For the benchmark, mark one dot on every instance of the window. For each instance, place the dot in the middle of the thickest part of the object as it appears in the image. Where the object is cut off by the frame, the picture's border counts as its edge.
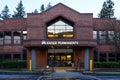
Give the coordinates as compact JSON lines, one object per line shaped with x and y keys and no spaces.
{"x":118,"y":56}
{"x":17,"y":37}
{"x":60,"y":29}
{"x":102,"y":37}
{"x":1,"y":38}
{"x":1,"y":56}
{"x":24,"y":35}
{"x":95,"y":35}
{"x":112,"y":57}
{"x":7,"y":56}
{"x":110,"y":36}
{"x":7,"y":37}
{"x":102,"y":56}
{"x":24,"y":54}
{"x":16,"y":56}
{"x":96,"y":53}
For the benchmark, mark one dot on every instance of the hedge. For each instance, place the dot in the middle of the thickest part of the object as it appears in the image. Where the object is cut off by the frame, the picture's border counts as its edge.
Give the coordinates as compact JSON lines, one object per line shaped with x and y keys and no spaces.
{"x":107,"y":64}
{"x":13,"y":64}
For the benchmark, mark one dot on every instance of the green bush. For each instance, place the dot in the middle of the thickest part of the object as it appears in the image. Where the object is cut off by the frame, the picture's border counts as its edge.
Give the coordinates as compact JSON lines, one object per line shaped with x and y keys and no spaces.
{"x":13,"y":64}
{"x":107,"y":64}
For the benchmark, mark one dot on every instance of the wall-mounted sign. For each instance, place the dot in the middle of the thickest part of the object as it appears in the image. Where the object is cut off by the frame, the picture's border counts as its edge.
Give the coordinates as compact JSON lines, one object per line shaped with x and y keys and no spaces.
{"x":60,"y":42}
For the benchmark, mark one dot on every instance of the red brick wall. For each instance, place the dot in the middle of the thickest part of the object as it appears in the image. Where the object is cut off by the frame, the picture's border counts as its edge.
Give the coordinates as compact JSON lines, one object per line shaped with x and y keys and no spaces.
{"x":36,"y":33}
{"x":10,"y":49}
{"x":107,"y":48}
{"x":37,"y":23}
{"x":28,"y":58}
{"x":84,"y":33}
{"x":14,"y":24}
{"x":79,"y":52}
{"x":41,"y":57}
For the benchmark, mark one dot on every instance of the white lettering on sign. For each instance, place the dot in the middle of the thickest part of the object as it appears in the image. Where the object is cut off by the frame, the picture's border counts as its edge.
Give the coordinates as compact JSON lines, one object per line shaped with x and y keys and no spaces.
{"x":59,"y":42}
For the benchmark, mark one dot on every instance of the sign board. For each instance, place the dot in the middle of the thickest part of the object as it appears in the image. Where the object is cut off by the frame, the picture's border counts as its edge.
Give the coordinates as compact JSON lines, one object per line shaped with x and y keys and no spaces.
{"x":60,"y":43}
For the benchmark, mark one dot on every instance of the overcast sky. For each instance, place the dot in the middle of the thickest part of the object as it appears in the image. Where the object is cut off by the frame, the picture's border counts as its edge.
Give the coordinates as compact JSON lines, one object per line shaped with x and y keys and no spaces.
{"x":82,"y":6}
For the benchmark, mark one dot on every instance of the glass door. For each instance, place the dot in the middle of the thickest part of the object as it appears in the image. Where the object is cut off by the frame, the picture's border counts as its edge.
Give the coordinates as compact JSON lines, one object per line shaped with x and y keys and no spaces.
{"x":60,"y":60}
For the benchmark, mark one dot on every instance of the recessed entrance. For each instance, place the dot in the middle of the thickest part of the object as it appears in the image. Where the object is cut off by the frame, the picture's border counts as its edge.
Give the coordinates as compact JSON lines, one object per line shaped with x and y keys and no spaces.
{"x":60,"y":57}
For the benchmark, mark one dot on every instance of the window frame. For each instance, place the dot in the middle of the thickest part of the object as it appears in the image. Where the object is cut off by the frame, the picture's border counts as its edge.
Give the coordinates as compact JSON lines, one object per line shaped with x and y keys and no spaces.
{"x":107,"y":42}
{"x":5,"y":40}
{"x":16,"y":35}
{"x":57,"y":36}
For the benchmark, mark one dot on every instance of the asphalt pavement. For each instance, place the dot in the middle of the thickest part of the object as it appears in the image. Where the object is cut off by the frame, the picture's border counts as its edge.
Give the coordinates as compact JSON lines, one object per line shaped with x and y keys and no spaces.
{"x":109,"y":77}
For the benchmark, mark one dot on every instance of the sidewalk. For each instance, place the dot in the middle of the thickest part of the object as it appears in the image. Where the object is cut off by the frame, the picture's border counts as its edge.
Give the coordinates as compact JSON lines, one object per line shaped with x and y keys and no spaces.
{"x":97,"y":71}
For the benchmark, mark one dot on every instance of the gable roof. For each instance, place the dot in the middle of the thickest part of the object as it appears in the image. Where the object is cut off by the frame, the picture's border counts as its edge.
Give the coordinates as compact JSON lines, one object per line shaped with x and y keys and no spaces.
{"x":63,"y":5}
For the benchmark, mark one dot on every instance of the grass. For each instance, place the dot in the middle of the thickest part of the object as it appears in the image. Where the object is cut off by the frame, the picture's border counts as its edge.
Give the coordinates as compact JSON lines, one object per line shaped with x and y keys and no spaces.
{"x":20,"y":71}
{"x":107,"y":72}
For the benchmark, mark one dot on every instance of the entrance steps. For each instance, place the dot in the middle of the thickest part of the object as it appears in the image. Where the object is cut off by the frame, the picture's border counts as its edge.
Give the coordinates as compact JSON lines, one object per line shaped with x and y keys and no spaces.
{"x":63,"y":69}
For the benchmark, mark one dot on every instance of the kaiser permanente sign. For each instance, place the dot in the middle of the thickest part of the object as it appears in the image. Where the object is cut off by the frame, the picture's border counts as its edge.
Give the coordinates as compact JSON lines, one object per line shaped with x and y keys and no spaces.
{"x":60,"y":42}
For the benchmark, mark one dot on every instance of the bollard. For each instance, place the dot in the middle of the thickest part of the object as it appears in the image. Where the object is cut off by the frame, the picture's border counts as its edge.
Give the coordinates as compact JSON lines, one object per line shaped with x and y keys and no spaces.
{"x":91,"y":63}
{"x":30,"y":67}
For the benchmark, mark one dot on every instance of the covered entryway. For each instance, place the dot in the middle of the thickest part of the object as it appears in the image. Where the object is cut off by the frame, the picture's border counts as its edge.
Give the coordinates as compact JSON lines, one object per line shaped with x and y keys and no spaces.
{"x":60,"y":57}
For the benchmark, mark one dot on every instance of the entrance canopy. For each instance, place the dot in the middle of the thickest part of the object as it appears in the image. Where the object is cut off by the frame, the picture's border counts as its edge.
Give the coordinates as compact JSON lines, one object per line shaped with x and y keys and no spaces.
{"x":49,"y":43}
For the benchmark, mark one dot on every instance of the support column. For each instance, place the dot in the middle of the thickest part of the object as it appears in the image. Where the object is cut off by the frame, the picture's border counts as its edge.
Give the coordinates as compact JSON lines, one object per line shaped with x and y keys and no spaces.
{"x":33,"y":56}
{"x":98,"y":56}
{"x":21,"y":56}
{"x":86,"y":59}
{"x":12,"y":56}
{"x":107,"y":57}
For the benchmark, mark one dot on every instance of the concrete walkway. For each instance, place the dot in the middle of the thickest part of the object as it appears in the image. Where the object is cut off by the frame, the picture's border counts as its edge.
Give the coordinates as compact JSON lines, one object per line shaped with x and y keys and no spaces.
{"x":63,"y":69}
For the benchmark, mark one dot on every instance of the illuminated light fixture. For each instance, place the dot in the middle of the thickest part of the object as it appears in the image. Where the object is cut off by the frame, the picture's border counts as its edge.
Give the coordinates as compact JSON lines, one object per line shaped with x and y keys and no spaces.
{"x":68,"y":56}
{"x":67,"y":35}
{"x":52,"y":35}
{"x":55,"y":35}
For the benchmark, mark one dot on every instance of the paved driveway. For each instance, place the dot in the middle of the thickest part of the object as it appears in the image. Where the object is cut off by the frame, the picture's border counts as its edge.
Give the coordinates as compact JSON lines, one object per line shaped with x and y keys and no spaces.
{"x":109,"y":77}
{"x":67,"y":75}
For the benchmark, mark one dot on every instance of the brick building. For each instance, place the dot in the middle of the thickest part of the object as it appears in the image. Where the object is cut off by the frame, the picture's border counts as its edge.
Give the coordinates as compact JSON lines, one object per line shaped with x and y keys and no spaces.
{"x":58,"y":37}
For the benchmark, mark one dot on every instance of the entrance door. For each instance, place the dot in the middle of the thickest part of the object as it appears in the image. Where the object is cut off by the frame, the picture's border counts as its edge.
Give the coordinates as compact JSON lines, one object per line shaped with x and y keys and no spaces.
{"x":60,"y":60}
{"x":60,"y":57}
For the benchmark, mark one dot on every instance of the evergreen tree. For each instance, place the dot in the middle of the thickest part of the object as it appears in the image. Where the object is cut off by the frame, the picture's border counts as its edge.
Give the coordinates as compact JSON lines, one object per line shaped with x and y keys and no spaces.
{"x":0,"y":17}
{"x":35,"y":11}
{"x":107,"y":10}
{"x":19,"y":13}
{"x":5,"y":13}
{"x":49,"y":5}
{"x":42,"y":8}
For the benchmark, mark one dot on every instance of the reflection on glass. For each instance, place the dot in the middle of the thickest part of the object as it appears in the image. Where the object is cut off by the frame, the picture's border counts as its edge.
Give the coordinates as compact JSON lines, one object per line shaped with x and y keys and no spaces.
{"x":1,"y":38}
{"x":7,"y":37}
{"x":17,"y":37}
{"x":102,"y":36}
{"x":60,"y":29}
{"x":94,"y":34}
{"x":24,"y":35}
{"x":110,"y":36}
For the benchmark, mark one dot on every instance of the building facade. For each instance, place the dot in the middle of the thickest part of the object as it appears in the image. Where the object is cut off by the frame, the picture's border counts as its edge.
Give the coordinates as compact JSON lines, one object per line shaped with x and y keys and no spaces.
{"x":59,"y":37}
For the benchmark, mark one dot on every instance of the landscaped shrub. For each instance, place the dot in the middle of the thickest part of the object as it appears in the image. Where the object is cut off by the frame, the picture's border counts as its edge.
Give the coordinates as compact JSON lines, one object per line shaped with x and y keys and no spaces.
{"x":107,"y":64}
{"x":13,"y":64}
